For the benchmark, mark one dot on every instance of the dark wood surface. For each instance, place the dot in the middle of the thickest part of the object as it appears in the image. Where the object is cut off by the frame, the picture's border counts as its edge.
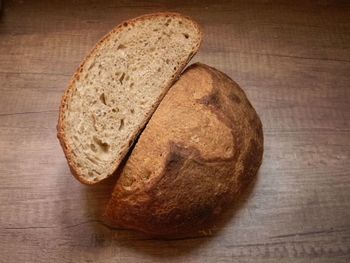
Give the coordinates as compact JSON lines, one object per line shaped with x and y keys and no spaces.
{"x":292,"y":59}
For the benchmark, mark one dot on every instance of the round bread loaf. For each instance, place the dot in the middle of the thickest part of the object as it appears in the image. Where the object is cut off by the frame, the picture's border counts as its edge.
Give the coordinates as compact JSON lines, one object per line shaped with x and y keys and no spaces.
{"x":200,"y":149}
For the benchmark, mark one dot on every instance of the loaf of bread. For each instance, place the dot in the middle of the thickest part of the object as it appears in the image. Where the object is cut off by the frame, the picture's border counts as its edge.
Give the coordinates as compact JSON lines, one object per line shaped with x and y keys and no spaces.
{"x":117,"y":88}
{"x":198,"y":152}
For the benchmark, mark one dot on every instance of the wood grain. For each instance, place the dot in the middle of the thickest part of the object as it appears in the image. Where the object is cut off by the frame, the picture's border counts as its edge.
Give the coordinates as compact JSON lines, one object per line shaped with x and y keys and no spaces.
{"x":292,"y":59}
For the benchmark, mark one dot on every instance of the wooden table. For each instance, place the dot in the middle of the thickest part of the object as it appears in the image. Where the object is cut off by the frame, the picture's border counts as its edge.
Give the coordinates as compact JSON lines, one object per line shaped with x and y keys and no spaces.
{"x":293,"y":61}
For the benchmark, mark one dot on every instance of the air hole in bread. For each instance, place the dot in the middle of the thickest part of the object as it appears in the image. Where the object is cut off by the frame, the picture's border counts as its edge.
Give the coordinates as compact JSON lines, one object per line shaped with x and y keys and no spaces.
{"x":103,"y":145}
{"x":103,"y":99}
{"x":147,"y":174}
{"x":186,"y":35}
{"x":121,"y":46}
{"x":168,"y":22}
{"x":132,"y":110}
{"x":94,"y":121}
{"x":122,"y":78}
{"x":121,"y":125}
{"x":91,"y":65}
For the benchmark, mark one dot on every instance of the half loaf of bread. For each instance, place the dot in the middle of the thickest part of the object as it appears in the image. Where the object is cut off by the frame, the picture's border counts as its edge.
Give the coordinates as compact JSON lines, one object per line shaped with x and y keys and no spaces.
{"x":118,"y":86}
{"x":200,"y":149}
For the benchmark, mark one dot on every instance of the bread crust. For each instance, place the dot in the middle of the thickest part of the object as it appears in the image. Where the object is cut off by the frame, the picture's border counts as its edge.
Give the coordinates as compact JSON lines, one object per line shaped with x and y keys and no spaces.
{"x":199,"y":151}
{"x":70,"y":89}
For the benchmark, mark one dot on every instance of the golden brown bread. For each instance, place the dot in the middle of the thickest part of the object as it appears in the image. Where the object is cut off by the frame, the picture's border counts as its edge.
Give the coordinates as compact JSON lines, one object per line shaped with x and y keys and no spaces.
{"x":202,"y":146}
{"x":118,"y":86}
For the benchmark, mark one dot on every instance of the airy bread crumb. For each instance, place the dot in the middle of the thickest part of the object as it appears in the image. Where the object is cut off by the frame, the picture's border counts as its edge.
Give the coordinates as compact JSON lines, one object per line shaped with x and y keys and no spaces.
{"x":116,"y":89}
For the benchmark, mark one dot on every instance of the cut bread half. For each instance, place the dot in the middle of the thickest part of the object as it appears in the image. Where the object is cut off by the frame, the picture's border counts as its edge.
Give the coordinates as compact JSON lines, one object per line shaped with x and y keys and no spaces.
{"x":116,"y":89}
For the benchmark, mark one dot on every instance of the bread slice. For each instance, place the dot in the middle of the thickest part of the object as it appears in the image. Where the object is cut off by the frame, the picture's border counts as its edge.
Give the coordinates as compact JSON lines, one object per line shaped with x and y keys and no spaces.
{"x":116,"y":89}
{"x":197,"y":154}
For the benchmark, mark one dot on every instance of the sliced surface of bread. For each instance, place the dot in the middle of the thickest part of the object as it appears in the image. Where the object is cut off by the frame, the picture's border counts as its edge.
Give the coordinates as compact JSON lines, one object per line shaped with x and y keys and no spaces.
{"x":116,"y":89}
{"x":198,"y":152}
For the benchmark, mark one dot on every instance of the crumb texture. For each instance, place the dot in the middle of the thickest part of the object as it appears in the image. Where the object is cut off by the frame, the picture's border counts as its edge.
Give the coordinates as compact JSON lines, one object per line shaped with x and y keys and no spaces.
{"x":118,"y":87}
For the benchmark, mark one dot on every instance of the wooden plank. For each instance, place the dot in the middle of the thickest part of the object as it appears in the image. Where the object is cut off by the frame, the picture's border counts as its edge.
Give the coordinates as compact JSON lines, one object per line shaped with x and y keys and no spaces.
{"x":293,"y":61}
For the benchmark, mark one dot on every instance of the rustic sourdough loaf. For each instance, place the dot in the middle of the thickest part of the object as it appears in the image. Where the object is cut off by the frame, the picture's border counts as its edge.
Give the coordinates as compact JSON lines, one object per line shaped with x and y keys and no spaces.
{"x":118,"y":86}
{"x":202,"y":146}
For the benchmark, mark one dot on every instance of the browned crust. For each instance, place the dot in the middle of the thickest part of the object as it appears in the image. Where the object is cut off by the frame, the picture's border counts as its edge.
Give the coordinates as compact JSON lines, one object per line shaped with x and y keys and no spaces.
{"x":60,"y":126}
{"x":186,"y":197}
